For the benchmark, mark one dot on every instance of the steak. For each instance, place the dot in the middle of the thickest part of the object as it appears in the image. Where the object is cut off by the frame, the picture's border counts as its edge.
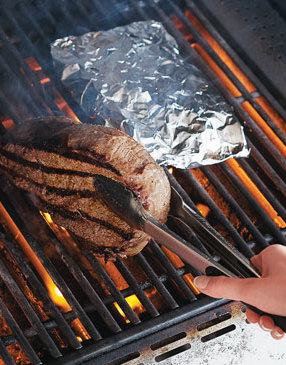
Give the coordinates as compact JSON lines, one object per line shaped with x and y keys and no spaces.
{"x":57,"y":160}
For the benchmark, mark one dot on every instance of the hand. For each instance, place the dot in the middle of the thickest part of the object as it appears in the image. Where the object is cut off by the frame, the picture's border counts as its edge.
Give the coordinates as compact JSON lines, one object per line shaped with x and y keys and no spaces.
{"x":267,"y":293}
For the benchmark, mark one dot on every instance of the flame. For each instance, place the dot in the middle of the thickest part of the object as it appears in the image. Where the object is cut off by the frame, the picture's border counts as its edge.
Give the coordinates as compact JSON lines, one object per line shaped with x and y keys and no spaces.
{"x":217,"y":71}
{"x":171,"y":170}
{"x":272,"y":113}
{"x":203,"y":209}
{"x":9,"y":223}
{"x":264,"y":126}
{"x":221,"y":52}
{"x":177,"y":263}
{"x":234,"y":165}
{"x":110,"y":268}
{"x":8,"y":124}
{"x":242,"y":78}
{"x":249,"y":184}
{"x":63,"y":105}
{"x":53,"y":291}
{"x":134,"y":303}
{"x":45,"y":80}
{"x":59,"y":100}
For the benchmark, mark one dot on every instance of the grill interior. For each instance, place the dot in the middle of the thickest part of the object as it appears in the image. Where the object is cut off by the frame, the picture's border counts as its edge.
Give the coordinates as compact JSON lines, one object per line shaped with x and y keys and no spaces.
{"x":61,"y":306}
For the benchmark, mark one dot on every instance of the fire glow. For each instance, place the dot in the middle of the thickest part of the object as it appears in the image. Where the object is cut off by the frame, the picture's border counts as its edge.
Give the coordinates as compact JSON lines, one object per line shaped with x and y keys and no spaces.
{"x":53,"y":291}
{"x":234,"y":165}
{"x":134,"y":303}
{"x":58,"y":99}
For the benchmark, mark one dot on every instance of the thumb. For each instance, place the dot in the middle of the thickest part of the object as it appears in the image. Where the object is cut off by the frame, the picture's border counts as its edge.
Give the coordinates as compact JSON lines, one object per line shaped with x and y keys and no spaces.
{"x":224,"y":287}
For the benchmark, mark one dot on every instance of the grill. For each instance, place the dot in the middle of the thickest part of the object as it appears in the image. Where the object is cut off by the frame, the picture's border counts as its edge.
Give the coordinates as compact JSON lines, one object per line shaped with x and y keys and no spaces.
{"x":59,"y":306}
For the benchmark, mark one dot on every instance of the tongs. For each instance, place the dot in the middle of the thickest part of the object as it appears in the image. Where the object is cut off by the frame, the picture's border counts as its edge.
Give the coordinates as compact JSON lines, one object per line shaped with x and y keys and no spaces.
{"x":129,"y":208}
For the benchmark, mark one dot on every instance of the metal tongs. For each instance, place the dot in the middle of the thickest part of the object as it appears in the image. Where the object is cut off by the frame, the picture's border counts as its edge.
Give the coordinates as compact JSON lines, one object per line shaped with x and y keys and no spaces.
{"x":129,"y":208}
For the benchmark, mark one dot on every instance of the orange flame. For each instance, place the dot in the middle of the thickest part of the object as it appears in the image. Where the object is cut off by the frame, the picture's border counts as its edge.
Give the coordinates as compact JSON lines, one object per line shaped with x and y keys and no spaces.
{"x":177,"y":262}
{"x":249,"y":184}
{"x":134,"y":303}
{"x":252,"y":188}
{"x":54,"y":292}
{"x":264,"y":126}
{"x":203,"y":209}
{"x":52,"y":288}
{"x":8,"y":124}
{"x":221,"y":52}
{"x":59,"y":100}
{"x":272,"y":113}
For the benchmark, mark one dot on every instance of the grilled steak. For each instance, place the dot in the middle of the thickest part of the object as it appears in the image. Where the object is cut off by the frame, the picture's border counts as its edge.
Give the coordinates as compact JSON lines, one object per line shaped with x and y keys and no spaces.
{"x":57,"y":160}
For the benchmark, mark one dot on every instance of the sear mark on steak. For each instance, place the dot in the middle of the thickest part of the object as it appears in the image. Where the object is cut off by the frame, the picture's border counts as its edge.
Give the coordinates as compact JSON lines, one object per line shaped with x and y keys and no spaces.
{"x":57,"y":160}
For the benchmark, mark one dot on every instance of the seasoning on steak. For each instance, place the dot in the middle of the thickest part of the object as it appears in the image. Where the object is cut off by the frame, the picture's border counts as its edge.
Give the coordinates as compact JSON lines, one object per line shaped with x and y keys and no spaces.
{"x":57,"y":160}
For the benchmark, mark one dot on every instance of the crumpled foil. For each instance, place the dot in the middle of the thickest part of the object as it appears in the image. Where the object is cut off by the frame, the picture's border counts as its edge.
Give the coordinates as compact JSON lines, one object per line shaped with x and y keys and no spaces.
{"x":134,"y":77}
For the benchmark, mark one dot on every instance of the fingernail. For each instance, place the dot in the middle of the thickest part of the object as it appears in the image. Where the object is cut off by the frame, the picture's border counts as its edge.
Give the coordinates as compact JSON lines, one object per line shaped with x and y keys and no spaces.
{"x":277,"y":334}
{"x":266,"y":323}
{"x":201,"y":282}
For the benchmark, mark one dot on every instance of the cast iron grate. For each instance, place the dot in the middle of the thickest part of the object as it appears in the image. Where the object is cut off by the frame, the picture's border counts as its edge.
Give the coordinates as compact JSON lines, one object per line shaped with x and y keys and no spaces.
{"x":29,"y":88}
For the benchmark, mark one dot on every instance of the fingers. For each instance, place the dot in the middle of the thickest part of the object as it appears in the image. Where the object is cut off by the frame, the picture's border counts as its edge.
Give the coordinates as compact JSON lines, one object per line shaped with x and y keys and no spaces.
{"x":277,"y":333}
{"x":257,"y":261}
{"x":266,"y":323}
{"x":224,"y":287}
{"x":271,"y":261}
{"x":267,"y":294}
{"x":252,"y":317}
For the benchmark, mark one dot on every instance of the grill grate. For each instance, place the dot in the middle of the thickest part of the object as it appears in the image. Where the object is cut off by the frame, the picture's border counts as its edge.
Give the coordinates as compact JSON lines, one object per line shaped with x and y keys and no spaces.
{"x":30,"y":89}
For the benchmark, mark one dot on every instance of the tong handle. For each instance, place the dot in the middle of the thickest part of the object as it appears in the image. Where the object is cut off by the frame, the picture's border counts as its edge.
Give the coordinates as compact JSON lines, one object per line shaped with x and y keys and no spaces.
{"x":280,"y":321}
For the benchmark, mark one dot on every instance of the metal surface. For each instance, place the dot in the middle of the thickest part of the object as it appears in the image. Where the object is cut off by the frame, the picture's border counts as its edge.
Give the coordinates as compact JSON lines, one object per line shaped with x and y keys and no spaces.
{"x":30,"y":89}
{"x":257,"y":30}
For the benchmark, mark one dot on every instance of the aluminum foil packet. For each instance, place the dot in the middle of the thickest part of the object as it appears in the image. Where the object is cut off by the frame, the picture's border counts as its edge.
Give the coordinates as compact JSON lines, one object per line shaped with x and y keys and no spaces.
{"x":134,"y":77}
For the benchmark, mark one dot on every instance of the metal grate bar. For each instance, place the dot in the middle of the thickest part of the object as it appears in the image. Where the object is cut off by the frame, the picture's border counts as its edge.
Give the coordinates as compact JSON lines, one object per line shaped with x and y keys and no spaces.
{"x":5,"y":355}
{"x":245,"y":93}
{"x":37,"y":228}
{"x":263,"y":188}
{"x":267,"y":143}
{"x":263,"y":216}
{"x":84,"y":13}
{"x":236,"y":207}
{"x":267,"y":168}
{"x":109,"y":299}
{"x":117,"y":295}
{"x":46,"y":95}
{"x":66,"y":13}
{"x":48,"y":69}
{"x":38,"y":287}
{"x":19,"y":334}
{"x":28,"y":310}
{"x":87,"y":288}
{"x":25,"y":9}
{"x":172,"y":271}
{"x":244,"y":67}
{"x":192,"y":237}
{"x":242,"y":245}
{"x":70,"y":316}
{"x":19,"y":58}
{"x":67,"y":293}
{"x":23,"y":86}
{"x":136,"y":288}
{"x":156,"y":281}
{"x":8,"y":108}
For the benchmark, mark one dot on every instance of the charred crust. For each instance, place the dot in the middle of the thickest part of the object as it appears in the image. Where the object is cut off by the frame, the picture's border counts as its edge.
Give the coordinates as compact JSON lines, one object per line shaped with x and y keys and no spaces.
{"x":108,"y":252}
{"x":79,"y":215}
